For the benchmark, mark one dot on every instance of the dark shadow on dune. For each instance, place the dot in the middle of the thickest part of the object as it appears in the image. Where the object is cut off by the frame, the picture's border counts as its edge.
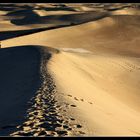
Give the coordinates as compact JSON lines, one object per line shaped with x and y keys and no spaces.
{"x":11,"y":34}
{"x":33,"y":18}
{"x":7,"y":8}
{"x":19,"y":81}
{"x":65,"y":8}
{"x":26,"y":12}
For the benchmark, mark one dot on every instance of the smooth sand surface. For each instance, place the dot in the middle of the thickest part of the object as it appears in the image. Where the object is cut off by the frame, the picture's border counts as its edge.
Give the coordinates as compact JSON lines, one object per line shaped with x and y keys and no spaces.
{"x":111,"y":99}
{"x":90,"y":67}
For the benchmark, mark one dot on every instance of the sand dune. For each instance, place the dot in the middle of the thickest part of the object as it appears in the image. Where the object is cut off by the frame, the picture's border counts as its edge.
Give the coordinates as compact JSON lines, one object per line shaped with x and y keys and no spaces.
{"x":94,"y":36}
{"x":76,"y":69}
{"x":130,"y":11}
{"x":29,"y":19}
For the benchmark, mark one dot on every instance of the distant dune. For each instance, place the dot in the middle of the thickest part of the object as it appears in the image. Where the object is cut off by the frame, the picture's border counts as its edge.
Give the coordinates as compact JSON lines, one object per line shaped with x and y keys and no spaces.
{"x":70,"y":69}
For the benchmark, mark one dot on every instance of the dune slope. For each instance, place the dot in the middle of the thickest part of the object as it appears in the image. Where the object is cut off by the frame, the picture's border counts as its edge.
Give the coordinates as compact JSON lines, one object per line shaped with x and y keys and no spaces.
{"x":104,"y":90}
{"x":19,"y":72}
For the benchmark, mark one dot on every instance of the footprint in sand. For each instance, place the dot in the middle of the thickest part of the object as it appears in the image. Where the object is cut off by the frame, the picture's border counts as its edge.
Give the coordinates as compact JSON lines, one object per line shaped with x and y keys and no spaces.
{"x":69,"y":128}
{"x":76,"y":99}
{"x":64,"y":110}
{"x":65,"y":126}
{"x":62,"y":132}
{"x":78,"y":126}
{"x":69,"y":95}
{"x":81,"y":132}
{"x":72,"y":119}
{"x":90,"y":102}
{"x":73,"y":105}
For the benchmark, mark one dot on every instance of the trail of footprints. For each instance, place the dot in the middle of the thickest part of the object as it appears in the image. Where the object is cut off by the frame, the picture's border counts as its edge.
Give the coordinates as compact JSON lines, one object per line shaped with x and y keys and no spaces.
{"x":131,"y":66}
{"x":78,"y":99}
{"x":46,"y":117}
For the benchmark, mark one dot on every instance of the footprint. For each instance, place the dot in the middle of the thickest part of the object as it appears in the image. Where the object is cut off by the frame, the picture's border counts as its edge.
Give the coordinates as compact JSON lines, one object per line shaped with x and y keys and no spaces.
{"x":82,"y":100}
{"x":81,"y":132}
{"x":69,"y":128}
{"x":65,"y":126}
{"x":76,"y":98}
{"x":42,"y":133}
{"x":78,"y":126}
{"x":66,"y":122}
{"x":62,"y":93}
{"x":72,"y":119}
{"x":73,"y":105}
{"x":57,"y":125}
{"x":69,"y":95}
{"x":62,"y":132}
{"x":90,"y":102}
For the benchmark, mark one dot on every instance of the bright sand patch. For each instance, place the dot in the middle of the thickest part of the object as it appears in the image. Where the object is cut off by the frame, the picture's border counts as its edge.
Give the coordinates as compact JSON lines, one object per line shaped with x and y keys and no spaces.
{"x":108,"y":87}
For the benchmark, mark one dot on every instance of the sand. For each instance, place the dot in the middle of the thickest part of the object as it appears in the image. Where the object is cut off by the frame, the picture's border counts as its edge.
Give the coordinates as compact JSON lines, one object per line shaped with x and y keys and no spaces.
{"x":82,"y":75}
{"x":19,"y":81}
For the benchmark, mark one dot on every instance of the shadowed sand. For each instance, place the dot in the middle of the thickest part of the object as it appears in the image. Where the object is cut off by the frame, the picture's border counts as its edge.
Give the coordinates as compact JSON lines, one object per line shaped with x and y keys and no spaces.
{"x":18,"y":86}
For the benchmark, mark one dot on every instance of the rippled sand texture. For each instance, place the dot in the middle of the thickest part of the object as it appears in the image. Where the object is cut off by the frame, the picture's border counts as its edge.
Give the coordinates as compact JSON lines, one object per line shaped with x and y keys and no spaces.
{"x":70,"y":69}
